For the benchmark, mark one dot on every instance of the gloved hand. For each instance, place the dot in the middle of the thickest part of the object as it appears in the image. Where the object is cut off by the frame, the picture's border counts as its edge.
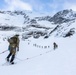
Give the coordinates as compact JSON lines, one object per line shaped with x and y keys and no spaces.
{"x":17,"y":48}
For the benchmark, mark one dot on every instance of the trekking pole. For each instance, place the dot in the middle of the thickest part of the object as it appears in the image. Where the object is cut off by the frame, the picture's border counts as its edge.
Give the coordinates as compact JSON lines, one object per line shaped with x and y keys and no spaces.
{"x":19,"y":59}
{"x":3,"y":51}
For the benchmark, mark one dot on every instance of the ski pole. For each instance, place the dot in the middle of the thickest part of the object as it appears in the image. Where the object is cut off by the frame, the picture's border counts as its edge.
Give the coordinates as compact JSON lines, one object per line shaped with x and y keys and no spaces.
{"x":3,"y":51}
{"x":19,"y":59}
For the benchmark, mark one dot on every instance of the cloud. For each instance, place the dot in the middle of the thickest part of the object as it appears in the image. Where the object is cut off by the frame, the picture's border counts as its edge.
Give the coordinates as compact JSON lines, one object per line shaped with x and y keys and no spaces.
{"x":42,"y":6}
{"x":59,"y":5}
{"x":37,"y":5}
{"x":17,"y":5}
{"x":70,"y":5}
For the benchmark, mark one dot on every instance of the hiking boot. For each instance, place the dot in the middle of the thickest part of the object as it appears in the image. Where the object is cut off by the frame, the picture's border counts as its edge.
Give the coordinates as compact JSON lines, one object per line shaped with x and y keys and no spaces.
{"x":12,"y":62}
{"x":8,"y":59}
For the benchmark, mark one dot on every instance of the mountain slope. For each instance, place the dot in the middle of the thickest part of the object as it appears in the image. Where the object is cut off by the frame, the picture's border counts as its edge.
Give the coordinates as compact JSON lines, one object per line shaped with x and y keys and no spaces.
{"x":62,"y":24}
{"x":59,"y":61}
{"x":36,"y":56}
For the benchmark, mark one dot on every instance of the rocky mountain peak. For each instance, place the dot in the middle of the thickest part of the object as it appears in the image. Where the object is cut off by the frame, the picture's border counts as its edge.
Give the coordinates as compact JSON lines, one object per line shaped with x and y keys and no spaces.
{"x":63,"y":16}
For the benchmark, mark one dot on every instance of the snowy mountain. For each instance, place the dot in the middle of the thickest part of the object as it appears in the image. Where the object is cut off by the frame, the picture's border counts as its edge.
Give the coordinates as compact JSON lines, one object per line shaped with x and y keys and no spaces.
{"x":63,"y":16}
{"x":61,"y":24}
{"x":37,"y":56}
{"x":65,"y":22}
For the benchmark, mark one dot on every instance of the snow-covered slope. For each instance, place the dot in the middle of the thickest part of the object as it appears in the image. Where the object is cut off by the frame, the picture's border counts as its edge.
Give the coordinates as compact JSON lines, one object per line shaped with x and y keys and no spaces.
{"x":11,"y":18}
{"x":64,"y":22}
{"x":37,"y":57}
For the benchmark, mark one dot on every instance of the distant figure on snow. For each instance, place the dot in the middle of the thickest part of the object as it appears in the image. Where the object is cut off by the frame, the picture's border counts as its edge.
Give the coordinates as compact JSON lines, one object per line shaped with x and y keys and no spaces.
{"x":55,"y":46}
{"x":13,"y":47}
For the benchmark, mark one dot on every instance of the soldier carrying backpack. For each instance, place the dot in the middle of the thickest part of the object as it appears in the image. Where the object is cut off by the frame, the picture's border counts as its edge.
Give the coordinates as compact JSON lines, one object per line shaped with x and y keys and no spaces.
{"x":13,"y":47}
{"x":55,"y":46}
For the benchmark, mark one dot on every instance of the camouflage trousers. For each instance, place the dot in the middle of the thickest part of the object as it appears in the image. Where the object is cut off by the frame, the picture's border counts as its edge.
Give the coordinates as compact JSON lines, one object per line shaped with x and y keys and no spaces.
{"x":12,"y":50}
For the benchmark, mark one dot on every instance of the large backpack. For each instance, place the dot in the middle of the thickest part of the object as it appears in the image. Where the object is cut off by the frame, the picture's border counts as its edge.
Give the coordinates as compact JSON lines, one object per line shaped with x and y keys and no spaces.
{"x":12,"y":40}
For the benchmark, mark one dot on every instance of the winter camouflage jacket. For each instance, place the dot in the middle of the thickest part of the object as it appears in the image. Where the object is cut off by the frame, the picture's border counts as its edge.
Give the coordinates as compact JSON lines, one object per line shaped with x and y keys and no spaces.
{"x":14,"y":41}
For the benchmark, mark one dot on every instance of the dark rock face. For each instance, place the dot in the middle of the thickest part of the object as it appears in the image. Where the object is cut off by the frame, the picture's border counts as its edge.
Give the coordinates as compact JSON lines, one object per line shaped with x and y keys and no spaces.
{"x":63,"y":16}
{"x":7,"y":28}
{"x":70,"y":32}
{"x":35,"y":34}
{"x":47,"y":18}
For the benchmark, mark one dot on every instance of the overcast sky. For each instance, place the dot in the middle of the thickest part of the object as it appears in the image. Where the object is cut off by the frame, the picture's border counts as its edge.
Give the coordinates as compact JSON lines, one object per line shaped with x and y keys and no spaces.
{"x":45,"y":6}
